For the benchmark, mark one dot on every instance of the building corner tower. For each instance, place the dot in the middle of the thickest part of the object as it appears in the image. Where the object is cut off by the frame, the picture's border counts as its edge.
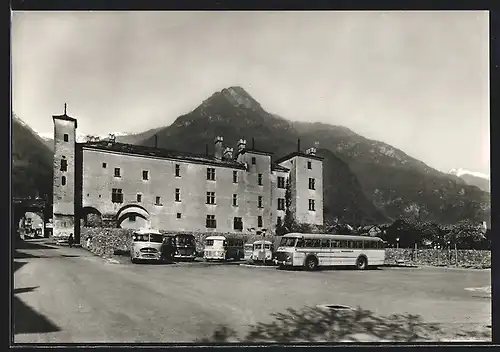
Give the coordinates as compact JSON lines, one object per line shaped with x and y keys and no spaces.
{"x":64,"y":221}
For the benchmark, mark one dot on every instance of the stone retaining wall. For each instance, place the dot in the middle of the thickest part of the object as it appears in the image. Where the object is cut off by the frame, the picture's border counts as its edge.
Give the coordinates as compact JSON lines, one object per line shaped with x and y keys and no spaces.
{"x":106,"y":241}
{"x":436,"y":257}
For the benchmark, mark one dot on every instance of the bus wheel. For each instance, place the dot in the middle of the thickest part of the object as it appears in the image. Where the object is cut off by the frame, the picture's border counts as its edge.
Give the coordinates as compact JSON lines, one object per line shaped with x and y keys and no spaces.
{"x":133,"y":260}
{"x":311,"y":263}
{"x":361,"y":263}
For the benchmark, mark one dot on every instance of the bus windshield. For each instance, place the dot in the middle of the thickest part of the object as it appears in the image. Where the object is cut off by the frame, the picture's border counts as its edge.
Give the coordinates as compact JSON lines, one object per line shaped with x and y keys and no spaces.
{"x":257,"y":246}
{"x":288,"y":242}
{"x":185,"y":240}
{"x":156,"y":238}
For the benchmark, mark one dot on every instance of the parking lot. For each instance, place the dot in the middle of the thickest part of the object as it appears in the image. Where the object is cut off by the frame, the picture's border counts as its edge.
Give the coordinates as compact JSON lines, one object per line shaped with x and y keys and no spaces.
{"x":73,"y":296}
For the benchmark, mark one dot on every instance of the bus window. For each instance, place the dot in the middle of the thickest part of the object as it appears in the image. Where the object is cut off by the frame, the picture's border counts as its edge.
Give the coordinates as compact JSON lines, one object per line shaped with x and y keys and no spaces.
{"x":343,"y":244}
{"x":375,"y":245}
{"x":358,"y":244}
{"x":325,"y":243}
{"x":267,"y":246}
{"x":209,"y":243}
{"x":300,"y":243}
{"x":141,"y":238}
{"x":335,"y":244}
{"x":288,"y":242}
{"x":316,"y":243}
{"x":308,"y":243}
{"x":257,"y":246}
{"x":349,"y":244}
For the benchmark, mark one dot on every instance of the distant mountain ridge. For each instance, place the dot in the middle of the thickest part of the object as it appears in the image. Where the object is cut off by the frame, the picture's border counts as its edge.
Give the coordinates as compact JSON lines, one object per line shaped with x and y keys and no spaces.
{"x":365,"y":181}
{"x":32,"y":162}
{"x":472,"y":178}
{"x":397,"y":184}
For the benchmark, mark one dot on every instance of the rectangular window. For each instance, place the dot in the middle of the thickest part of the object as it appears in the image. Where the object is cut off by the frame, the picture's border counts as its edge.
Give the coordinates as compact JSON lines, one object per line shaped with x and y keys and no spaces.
{"x":253,"y":160}
{"x":117,"y":172}
{"x":312,"y":184}
{"x":139,"y":198}
{"x":309,"y":165}
{"x":311,"y":205}
{"x":210,"y":197}
{"x":279,"y":220}
{"x":235,"y":176}
{"x":281,"y":203}
{"x":66,"y":137}
{"x":145,"y":175}
{"x":259,"y":176}
{"x":64,"y":165}
{"x":211,"y":173}
{"x":116,"y":195}
{"x":177,"y":194}
{"x":63,"y":180}
{"x":177,"y":170}
{"x":104,"y":165}
{"x":238,"y":224}
{"x":260,"y":202}
{"x":235,"y":200}
{"x":158,"y":200}
{"x":335,"y":244}
{"x":179,"y":215}
{"x":325,"y":243}
{"x":259,"y":221}
{"x":211,"y":223}
{"x":281,"y":182}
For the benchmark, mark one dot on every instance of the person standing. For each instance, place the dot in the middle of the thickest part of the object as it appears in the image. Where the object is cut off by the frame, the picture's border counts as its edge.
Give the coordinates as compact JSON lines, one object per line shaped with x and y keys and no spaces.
{"x":70,"y":240}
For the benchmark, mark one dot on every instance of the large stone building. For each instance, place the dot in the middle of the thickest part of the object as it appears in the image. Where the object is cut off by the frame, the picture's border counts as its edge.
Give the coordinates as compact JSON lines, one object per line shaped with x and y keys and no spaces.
{"x":134,"y":186}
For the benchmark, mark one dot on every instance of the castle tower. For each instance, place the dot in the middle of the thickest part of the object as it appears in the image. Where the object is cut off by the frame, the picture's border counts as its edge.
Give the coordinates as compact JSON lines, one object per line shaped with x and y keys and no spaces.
{"x":64,"y":222}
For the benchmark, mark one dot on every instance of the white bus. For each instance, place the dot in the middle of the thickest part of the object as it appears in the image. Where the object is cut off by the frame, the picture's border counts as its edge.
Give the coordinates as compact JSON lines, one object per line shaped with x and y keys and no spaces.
{"x":315,"y":250}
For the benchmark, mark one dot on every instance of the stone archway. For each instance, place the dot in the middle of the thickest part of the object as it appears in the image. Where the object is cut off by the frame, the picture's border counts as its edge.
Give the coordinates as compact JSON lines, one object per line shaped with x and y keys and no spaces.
{"x":91,"y":217}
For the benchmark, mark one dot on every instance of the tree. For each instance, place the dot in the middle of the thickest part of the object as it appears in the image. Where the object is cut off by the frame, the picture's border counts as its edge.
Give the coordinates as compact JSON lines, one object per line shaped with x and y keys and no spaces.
{"x":289,"y":223}
{"x":466,"y":235}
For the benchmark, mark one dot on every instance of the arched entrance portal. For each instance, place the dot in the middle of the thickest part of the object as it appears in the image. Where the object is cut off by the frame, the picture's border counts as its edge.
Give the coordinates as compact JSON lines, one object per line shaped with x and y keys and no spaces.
{"x":36,"y":206}
{"x":90,"y":217}
{"x":132,"y":216}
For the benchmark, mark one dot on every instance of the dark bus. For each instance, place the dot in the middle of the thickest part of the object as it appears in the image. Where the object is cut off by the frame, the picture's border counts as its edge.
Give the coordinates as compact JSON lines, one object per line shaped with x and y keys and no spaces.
{"x":185,"y":247}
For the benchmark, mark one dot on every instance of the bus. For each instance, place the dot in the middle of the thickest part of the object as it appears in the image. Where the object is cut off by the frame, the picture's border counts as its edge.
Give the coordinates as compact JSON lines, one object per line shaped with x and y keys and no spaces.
{"x":148,"y":245}
{"x":317,"y":250}
{"x":262,"y":251}
{"x":185,"y":246}
{"x":223,"y":248}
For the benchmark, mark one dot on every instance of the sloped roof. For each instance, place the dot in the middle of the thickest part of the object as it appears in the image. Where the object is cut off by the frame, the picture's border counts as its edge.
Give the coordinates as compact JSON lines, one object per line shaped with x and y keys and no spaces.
{"x":159,"y":153}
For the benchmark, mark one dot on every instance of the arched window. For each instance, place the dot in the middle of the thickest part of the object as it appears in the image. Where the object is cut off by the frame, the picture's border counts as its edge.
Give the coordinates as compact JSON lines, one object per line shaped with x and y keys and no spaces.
{"x":63,"y":180}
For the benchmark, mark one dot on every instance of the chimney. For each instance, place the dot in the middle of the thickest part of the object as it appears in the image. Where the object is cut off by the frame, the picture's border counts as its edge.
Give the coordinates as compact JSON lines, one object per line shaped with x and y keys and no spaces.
{"x":298,"y":145}
{"x":228,"y":153}
{"x":218,"y":147}
{"x":311,"y":151}
{"x":241,"y":145}
{"x":156,"y":141}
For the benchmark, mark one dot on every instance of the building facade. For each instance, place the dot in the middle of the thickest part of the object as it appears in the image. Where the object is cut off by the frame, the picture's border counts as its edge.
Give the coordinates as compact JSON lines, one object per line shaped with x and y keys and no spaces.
{"x":232,"y":191}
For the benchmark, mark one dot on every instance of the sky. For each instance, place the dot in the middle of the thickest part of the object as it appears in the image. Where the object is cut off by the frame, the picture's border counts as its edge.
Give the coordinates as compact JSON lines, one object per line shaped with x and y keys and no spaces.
{"x":418,"y":81}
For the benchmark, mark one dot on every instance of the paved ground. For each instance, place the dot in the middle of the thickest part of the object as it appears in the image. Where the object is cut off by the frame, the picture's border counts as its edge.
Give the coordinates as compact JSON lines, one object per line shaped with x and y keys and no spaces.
{"x":66,"y":294}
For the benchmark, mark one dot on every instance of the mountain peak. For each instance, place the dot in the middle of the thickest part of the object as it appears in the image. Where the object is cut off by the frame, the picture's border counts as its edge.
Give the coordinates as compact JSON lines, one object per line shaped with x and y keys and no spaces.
{"x":236,"y":96}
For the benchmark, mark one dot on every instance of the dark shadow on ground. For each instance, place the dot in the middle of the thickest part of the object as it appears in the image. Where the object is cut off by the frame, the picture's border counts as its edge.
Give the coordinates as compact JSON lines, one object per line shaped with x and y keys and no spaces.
{"x":18,"y":265}
{"x":314,"y":324}
{"x":31,"y":245}
{"x":25,"y":289}
{"x":26,"y":320}
{"x":22,"y":255}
